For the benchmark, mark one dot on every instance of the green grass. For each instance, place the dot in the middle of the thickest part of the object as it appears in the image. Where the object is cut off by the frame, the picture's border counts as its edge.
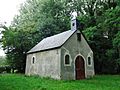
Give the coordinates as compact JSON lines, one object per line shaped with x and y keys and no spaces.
{"x":22,"y":82}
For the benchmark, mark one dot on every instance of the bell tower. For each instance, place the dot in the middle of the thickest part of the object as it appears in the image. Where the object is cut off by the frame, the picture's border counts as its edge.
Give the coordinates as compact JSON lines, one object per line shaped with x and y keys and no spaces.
{"x":75,"y":24}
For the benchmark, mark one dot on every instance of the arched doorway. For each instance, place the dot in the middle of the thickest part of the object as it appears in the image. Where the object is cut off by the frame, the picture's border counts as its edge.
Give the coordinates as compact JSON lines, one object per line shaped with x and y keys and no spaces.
{"x":79,"y":68}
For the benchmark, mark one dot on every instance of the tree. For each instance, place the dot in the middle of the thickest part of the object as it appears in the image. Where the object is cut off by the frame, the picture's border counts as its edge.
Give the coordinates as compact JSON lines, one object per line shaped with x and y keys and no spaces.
{"x":102,"y":38}
{"x":38,"y":19}
{"x":14,"y":43}
{"x":42,"y":18}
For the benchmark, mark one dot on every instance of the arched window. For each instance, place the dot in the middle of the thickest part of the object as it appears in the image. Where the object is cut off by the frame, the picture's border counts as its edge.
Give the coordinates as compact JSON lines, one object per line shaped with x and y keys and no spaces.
{"x":73,"y":24}
{"x":89,"y":61}
{"x":67,"y":59}
{"x":33,"y":60}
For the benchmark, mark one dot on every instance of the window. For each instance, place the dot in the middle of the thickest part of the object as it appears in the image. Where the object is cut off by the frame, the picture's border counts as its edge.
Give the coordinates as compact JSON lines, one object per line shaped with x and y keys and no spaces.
{"x":79,"y":36}
{"x":67,"y":60}
{"x":33,"y":60}
{"x":89,"y":61}
{"x":73,"y":24}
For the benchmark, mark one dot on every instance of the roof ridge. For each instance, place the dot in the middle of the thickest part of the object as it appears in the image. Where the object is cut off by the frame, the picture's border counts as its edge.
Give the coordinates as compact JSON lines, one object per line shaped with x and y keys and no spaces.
{"x":56,"y":34}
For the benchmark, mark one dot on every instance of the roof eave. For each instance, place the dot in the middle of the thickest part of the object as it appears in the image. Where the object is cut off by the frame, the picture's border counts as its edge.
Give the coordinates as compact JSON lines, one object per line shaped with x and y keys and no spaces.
{"x":44,"y":50}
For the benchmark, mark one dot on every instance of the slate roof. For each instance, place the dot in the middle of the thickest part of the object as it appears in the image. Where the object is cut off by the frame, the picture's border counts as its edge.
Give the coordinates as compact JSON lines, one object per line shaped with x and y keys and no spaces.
{"x":52,"y":42}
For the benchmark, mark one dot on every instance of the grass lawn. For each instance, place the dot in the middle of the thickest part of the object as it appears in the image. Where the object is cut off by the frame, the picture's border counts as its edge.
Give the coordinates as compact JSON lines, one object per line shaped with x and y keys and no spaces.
{"x":22,"y":82}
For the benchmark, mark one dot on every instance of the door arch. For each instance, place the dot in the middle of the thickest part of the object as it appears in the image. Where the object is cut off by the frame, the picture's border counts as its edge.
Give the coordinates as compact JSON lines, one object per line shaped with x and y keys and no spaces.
{"x":79,"y":68}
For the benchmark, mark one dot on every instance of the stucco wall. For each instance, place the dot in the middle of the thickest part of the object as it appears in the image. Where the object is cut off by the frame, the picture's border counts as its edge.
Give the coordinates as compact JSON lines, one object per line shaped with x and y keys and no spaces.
{"x":47,"y":64}
{"x":73,"y":47}
{"x":51,"y":63}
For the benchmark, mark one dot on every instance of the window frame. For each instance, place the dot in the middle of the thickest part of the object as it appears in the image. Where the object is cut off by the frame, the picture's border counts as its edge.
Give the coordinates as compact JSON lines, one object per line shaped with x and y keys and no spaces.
{"x":90,"y":61}
{"x":69,"y":60}
{"x":34,"y":59}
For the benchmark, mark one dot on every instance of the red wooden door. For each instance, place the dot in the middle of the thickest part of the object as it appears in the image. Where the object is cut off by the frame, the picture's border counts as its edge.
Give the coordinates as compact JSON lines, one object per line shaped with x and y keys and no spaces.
{"x":79,"y":68}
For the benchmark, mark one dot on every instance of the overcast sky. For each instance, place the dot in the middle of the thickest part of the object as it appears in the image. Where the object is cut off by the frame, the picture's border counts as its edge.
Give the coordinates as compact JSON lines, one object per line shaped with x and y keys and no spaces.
{"x":8,"y":8}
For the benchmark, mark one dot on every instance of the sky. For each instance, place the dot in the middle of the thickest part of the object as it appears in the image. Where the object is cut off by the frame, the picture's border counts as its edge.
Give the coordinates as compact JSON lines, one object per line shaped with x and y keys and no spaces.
{"x":8,"y":9}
